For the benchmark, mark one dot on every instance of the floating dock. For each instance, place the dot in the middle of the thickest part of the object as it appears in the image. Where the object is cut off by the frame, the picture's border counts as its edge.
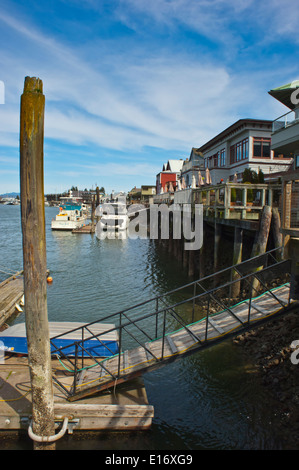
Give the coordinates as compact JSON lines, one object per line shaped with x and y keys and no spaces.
{"x":126,"y":409}
{"x":11,"y":294}
{"x":84,"y":229}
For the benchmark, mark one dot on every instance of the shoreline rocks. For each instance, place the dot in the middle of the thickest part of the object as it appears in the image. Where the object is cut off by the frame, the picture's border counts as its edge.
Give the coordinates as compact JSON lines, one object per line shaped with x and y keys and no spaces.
{"x":269,"y":349}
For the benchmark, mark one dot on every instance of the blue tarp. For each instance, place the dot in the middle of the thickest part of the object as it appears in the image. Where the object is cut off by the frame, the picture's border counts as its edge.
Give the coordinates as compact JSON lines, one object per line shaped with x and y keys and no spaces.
{"x":18,"y":345}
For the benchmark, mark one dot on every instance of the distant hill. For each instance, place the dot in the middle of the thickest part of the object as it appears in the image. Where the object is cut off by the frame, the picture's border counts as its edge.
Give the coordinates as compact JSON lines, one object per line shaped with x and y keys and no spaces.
{"x":10,"y":195}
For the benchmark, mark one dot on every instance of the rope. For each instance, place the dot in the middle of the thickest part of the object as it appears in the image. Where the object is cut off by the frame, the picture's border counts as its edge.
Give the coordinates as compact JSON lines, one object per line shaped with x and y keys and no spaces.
{"x":6,"y":272}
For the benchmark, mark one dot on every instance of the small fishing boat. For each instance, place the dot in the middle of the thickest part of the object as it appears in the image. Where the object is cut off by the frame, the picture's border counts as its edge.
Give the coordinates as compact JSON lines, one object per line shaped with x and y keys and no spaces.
{"x":71,"y":215}
{"x":100,"y":339}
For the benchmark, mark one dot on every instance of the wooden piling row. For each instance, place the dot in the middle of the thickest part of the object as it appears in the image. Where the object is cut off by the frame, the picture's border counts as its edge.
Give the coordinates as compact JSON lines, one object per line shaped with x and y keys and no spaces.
{"x":195,"y":262}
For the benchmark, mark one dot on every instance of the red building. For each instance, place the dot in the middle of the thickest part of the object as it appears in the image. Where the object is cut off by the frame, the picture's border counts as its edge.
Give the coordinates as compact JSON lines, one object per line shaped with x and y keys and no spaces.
{"x":169,"y":174}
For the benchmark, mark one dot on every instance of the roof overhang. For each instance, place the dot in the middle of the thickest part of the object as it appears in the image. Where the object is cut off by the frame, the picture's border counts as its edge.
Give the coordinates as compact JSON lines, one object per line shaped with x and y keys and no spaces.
{"x":284,"y":94}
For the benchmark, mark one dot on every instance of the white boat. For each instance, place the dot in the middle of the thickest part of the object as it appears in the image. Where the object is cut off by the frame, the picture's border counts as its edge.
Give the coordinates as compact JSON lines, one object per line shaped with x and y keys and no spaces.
{"x":70,"y":216}
{"x":114,"y":216}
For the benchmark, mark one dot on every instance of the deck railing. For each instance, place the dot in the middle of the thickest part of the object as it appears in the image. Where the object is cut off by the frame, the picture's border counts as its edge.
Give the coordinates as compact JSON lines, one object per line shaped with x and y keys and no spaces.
{"x":158,"y":317}
{"x":237,"y":200}
{"x":231,"y":200}
{"x":284,"y":121}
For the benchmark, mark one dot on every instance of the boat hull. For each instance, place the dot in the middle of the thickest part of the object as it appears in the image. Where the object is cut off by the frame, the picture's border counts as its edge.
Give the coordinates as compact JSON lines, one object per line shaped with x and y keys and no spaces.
{"x":67,"y":224}
{"x":64,"y":335}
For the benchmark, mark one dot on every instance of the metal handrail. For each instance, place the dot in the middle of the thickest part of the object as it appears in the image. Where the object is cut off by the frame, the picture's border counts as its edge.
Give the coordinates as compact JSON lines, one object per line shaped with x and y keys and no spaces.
{"x":168,"y":311}
{"x":160,"y":296}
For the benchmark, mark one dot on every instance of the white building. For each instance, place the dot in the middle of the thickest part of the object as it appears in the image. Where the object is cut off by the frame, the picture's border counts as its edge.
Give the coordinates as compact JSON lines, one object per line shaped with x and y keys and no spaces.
{"x":192,"y":166}
{"x":285,"y":136}
{"x":244,"y":144}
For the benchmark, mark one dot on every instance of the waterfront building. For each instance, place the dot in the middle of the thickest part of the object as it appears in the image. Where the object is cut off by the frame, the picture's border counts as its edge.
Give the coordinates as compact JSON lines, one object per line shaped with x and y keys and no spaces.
{"x":192,"y":166}
{"x":134,"y":195}
{"x":244,"y":144}
{"x":147,"y":193}
{"x":285,"y":129}
{"x":169,"y":176}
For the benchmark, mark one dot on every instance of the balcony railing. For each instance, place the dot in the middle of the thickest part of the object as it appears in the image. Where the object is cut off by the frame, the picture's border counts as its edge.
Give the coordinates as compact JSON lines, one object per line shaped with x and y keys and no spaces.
{"x":232,"y":200}
{"x":285,"y":120}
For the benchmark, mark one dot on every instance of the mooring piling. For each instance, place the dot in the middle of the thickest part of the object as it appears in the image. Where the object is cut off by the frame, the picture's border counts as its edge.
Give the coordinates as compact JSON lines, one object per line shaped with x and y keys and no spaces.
{"x":34,"y":259}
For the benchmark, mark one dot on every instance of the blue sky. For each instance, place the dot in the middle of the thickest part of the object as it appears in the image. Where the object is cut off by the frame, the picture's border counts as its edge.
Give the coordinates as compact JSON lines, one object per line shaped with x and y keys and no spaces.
{"x":130,"y":84}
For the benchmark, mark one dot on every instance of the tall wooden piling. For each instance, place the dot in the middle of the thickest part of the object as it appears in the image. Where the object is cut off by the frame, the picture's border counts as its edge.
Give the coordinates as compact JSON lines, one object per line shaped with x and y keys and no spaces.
{"x":34,"y":259}
{"x":237,"y":258}
{"x":93,"y":208}
{"x":277,"y":235}
{"x":261,"y":239}
{"x":217,"y":241}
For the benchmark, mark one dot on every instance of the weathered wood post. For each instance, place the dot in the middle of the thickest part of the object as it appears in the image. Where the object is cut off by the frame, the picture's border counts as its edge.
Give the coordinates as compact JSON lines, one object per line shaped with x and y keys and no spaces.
{"x":93,"y":208}
{"x":34,"y":259}
{"x":237,"y":258}
{"x":261,"y":239}
{"x":217,"y":242}
{"x":277,"y":235}
{"x":98,"y":196}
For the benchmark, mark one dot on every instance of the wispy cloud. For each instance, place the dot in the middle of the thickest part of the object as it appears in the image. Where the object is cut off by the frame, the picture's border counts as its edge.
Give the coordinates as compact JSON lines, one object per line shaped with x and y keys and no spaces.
{"x":144,"y":87}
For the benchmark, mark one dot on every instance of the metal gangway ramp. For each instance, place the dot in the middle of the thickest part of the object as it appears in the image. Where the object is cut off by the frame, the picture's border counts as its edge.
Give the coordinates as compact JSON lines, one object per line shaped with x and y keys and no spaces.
{"x":181,"y":322}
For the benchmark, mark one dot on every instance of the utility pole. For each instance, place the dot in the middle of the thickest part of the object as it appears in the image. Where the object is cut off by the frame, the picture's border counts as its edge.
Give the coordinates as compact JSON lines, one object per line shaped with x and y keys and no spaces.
{"x":34,"y":259}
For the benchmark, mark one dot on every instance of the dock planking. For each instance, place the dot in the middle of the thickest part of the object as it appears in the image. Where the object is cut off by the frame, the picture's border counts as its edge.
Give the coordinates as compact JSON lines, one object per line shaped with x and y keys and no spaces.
{"x":89,"y":228}
{"x":126,"y":409}
{"x":11,"y":293}
{"x":181,"y":342}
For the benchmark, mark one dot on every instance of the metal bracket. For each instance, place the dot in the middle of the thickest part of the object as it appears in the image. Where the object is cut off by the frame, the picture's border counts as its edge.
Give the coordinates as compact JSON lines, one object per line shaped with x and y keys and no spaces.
{"x":72,"y":424}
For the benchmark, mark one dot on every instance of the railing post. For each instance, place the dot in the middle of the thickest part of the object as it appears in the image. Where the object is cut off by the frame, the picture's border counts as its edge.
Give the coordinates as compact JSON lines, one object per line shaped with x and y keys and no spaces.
{"x":263,"y":197}
{"x":193,"y":306}
{"x":82,"y":357}
{"x":120,"y":343}
{"x":207,"y":320}
{"x":76,"y":367}
{"x":163,"y":337}
{"x":157,"y":308}
{"x":250,"y":299}
{"x":244,"y":202}
{"x":208,"y":201}
{"x":227,"y":199}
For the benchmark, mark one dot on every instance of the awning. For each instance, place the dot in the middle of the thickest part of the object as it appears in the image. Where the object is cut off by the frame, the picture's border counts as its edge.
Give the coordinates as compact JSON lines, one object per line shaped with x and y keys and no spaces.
{"x":283,"y":94}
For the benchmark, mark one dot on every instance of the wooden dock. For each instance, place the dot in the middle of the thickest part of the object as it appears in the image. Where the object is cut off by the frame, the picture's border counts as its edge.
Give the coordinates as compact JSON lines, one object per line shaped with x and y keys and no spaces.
{"x":184,"y":341}
{"x":126,"y":409}
{"x":84,"y":229}
{"x":11,"y":293}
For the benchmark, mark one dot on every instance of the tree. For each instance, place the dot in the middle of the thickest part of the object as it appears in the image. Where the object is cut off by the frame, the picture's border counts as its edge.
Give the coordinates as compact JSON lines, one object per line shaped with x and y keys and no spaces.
{"x":260,"y":177}
{"x":250,"y":176}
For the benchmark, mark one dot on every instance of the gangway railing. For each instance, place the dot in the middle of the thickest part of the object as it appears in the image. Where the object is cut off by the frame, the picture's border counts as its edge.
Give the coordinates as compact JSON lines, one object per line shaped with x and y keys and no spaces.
{"x":153,"y":321}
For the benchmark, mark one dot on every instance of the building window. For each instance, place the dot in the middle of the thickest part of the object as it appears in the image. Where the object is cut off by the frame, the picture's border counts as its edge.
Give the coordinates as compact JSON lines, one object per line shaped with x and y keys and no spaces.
{"x":216,"y":159}
{"x":222,"y":157}
{"x":261,"y":147}
{"x":239,"y":151}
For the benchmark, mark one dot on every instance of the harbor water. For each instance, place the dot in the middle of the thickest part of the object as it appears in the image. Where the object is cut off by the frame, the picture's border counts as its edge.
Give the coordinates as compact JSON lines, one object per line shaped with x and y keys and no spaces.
{"x":209,"y":400}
